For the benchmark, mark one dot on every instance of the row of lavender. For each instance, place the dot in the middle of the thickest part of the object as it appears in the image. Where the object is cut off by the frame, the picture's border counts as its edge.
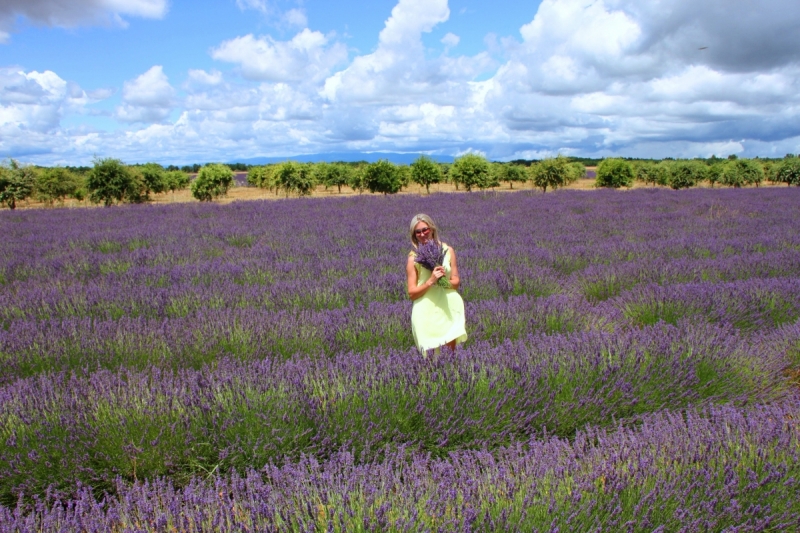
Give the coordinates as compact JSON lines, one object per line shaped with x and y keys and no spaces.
{"x":717,"y":469}
{"x":177,"y":285}
{"x":94,"y":427}
{"x":32,"y":346}
{"x":145,"y":260}
{"x":196,"y":341}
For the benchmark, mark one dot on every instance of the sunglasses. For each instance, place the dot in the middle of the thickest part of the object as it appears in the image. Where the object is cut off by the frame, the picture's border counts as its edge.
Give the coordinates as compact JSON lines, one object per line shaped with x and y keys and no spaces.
{"x":421,"y":231}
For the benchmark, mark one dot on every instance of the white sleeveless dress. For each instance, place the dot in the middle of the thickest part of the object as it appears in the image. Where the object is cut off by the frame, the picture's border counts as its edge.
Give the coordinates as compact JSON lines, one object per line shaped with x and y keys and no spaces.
{"x":437,"y":317}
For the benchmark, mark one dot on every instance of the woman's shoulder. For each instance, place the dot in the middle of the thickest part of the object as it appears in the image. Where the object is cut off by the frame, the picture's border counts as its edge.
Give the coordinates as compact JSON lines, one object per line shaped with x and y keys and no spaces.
{"x":412,"y":253}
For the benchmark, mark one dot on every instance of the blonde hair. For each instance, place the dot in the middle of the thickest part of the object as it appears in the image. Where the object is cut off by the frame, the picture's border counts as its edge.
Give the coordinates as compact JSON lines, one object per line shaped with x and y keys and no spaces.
{"x":431,"y":224}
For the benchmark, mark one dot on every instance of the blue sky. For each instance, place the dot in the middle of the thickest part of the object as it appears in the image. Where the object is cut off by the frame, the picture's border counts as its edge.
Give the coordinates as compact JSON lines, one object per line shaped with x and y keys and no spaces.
{"x":183,"y":82}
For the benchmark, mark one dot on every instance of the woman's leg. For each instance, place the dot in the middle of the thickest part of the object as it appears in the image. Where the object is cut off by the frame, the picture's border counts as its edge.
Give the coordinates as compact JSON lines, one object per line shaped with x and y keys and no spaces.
{"x":451,"y":345}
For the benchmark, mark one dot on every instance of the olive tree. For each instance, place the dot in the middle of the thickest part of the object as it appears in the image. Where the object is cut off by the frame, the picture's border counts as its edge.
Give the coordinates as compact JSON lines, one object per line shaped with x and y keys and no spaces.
{"x":382,"y":176}
{"x":16,"y":183}
{"x":320,"y":173}
{"x":614,"y":173}
{"x":471,"y":170}
{"x":652,"y":173}
{"x":109,"y":181}
{"x":357,"y":178}
{"x":425,"y":171}
{"x":294,"y":177}
{"x":404,"y":174}
{"x":714,"y":173}
{"x":739,"y":172}
{"x":788,"y":171}
{"x":511,"y":173}
{"x":176,"y":180}
{"x":262,"y":177}
{"x":138,"y":191}
{"x":686,"y":174}
{"x":553,"y":172}
{"x":153,"y":176}
{"x":577,"y":171}
{"x":211,"y":182}
{"x":338,"y":175}
{"x":56,"y":184}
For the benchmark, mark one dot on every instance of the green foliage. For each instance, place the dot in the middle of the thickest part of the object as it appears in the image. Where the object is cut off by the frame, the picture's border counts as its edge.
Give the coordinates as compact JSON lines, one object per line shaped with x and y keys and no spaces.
{"x":614,"y":173}
{"x":56,"y":184}
{"x":652,"y":173}
{"x":154,"y":177}
{"x":110,"y":181}
{"x":472,"y":170}
{"x":714,"y":173}
{"x":425,"y":172}
{"x":16,"y":183}
{"x":382,"y":176}
{"x":262,"y":177}
{"x":577,"y":171}
{"x":447,"y":177}
{"x":788,"y":171}
{"x":137,"y":192}
{"x":404,"y":173}
{"x":338,"y":175}
{"x":553,"y":172}
{"x":212,"y":181}
{"x":294,"y":177}
{"x":356,"y":179}
{"x":685,"y":174}
{"x":770,"y":168}
{"x":319,"y":171}
{"x":176,"y":180}
{"x":740,"y":172}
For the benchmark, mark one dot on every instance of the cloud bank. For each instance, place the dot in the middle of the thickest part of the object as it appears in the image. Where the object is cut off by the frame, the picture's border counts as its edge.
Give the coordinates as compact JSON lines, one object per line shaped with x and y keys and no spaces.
{"x":610,"y":77}
{"x":76,"y":12}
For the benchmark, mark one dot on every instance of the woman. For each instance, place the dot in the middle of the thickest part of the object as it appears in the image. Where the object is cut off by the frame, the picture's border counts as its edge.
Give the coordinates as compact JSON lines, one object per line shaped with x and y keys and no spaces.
{"x":437,"y":315}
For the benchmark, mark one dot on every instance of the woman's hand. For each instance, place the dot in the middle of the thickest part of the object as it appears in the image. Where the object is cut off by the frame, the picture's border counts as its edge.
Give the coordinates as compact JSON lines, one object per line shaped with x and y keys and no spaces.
{"x":438,"y":273}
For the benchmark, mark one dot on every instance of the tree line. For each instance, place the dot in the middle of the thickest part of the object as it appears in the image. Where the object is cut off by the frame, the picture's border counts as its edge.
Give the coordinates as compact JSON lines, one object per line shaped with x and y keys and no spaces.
{"x":110,"y":181}
{"x":683,"y":174}
{"x":470,"y":171}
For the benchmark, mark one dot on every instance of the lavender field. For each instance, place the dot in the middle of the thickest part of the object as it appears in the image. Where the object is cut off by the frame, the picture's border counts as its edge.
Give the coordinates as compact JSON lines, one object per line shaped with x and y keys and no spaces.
{"x":633,"y":365}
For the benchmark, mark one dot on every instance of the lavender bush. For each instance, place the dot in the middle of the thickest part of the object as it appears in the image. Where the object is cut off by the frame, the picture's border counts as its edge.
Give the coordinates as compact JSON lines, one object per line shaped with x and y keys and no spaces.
{"x":157,"y":356}
{"x":718,"y":469}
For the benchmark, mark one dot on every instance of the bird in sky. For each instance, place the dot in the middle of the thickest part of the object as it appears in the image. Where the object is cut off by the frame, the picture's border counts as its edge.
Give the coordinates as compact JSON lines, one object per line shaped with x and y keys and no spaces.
{"x":702,"y":47}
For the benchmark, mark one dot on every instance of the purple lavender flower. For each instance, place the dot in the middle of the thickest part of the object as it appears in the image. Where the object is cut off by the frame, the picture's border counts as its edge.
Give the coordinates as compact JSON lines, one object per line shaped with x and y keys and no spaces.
{"x":430,"y":255}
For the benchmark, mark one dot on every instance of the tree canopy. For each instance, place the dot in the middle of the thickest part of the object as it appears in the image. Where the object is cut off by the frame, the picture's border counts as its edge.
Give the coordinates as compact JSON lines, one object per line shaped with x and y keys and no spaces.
{"x":212,"y":181}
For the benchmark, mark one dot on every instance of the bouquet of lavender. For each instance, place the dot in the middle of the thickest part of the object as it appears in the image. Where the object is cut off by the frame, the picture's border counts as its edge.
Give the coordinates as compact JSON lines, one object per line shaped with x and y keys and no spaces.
{"x":430,"y":255}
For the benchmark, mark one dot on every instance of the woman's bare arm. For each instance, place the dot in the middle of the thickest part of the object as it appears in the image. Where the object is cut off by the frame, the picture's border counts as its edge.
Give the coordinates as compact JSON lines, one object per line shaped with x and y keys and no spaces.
{"x":414,"y":290}
{"x":454,"y":279}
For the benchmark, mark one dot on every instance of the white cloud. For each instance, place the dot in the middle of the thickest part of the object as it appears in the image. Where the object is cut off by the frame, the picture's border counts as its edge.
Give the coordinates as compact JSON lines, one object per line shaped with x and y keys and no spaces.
{"x":76,"y":12}
{"x":36,"y":100}
{"x":296,"y":17}
{"x":32,"y":107}
{"x":201,"y":77}
{"x":451,"y":40}
{"x":258,"y":5}
{"x":147,"y":98}
{"x":590,"y":78}
{"x":398,"y":72}
{"x":307,"y":57}
{"x":624,"y":76}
